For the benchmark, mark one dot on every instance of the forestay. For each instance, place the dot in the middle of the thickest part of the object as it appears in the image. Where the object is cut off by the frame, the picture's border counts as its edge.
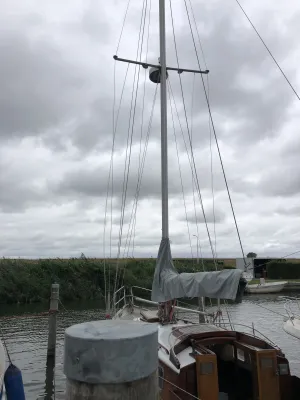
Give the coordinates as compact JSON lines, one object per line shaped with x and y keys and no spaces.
{"x":168,"y":284}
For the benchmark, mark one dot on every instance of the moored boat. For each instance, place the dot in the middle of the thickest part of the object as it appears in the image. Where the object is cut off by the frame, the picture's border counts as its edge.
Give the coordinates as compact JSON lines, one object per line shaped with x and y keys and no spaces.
{"x":209,"y":360}
{"x":265,"y":287}
{"x":292,"y":327}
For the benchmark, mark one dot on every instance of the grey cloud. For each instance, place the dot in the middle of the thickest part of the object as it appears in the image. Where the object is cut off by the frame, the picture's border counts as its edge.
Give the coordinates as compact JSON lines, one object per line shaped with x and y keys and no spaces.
{"x":234,"y":57}
{"x":17,"y":194}
{"x":60,"y":87}
{"x":210,"y":214}
{"x":293,"y":211}
{"x":39,"y":88}
{"x":92,"y":181}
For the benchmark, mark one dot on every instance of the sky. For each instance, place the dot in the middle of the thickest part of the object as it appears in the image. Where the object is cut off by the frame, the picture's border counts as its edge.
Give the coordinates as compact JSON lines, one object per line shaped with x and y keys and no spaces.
{"x":60,"y":95}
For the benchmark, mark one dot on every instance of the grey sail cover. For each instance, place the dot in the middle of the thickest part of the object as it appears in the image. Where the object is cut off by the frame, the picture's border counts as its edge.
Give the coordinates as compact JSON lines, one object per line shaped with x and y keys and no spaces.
{"x":168,"y":284}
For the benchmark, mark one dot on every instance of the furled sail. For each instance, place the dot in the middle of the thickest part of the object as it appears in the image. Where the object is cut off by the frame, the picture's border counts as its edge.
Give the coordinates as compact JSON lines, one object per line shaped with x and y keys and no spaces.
{"x":168,"y":284}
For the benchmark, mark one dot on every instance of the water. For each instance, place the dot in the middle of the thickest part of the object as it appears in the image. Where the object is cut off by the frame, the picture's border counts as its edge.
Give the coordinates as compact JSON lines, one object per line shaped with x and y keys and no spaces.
{"x":26,"y":337}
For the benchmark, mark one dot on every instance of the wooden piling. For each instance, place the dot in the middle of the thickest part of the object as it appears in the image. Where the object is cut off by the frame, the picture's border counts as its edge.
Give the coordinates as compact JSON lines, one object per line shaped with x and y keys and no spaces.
{"x":111,"y":360}
{"x":53,"y":309}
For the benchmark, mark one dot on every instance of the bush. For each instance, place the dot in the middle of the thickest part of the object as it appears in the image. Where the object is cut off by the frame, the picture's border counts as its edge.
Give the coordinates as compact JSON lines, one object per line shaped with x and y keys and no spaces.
{"x":28,"y":281}
{"x":283,"y":270}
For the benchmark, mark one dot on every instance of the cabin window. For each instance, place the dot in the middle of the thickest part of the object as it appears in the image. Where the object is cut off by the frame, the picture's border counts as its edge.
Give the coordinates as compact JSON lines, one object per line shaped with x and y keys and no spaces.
{"x":266,"y":362}
{"x":206,"y":368}
{"x":283,"y":369}
{"x":241,"y":355}
{"x":160,"y":377}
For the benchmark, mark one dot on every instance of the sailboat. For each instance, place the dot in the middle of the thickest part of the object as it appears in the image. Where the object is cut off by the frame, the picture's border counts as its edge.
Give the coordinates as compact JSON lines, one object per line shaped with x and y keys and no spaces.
{"x":209,"y":360}
{"x":265,"y":287}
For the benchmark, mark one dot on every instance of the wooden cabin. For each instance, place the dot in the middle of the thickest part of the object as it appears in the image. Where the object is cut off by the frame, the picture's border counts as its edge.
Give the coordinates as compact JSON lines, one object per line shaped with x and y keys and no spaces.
{"x":210,"y":363}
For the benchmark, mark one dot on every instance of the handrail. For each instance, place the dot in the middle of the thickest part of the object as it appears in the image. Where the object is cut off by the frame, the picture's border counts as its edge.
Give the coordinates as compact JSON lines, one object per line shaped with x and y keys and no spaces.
{"x":122,"y":287}
{"x":140,"y":287}
{"x":154,"y":303}
{"x":256,"y":330}
{"x":122,"y":298}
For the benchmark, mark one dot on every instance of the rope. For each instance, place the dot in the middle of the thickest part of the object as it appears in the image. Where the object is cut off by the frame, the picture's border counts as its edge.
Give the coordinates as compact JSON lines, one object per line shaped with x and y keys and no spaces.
{"x":5,"y":345}
{"x":268,"y":309}
{"x":215,"y":135}
{"x":268,"y":50}
{"x":175,"y":394}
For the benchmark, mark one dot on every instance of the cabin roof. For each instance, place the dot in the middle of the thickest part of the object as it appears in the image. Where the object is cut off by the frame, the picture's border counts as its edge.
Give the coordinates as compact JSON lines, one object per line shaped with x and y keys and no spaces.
{"x":170,"y":335}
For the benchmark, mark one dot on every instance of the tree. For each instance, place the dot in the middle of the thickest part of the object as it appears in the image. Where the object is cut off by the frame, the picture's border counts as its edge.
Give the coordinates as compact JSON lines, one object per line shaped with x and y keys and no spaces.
{"x":251,"y":255}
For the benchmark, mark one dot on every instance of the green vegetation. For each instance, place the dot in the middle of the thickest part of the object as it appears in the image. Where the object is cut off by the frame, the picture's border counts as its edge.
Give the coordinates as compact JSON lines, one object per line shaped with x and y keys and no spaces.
{"x":283,"y":270}
{"x":28,"y":281}
{"x":251,"y":255}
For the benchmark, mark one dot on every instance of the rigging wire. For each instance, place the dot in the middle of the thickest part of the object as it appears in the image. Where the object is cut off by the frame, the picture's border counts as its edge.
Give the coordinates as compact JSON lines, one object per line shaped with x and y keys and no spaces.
{"x":190,"y":161}
{"x":268,"y":50}
{"x":186,"y":148}
{"x":209,"y":126}
{"x":181,"y":181}
{"x":130,"y":134}
{"x":140,"y":151}
{"x":189,"y":136}
{"x":147,"y":50}
{"x":193,"y":185}
{"x":171,"y":94}
{"x":143,"y":160}
{"x":193,"y":182}
{"x":123,"y":24}
{"x":140,"y":174}
{"x":142,"y":122}
{"x":268,"y":262}
{"x":110,"y":175}
{"x":110,"y":178}
{"x":215,"y":135}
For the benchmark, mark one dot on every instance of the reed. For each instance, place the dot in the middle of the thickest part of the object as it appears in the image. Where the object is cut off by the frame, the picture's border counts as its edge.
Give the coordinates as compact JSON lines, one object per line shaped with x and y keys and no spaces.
{"x":28,"y":281}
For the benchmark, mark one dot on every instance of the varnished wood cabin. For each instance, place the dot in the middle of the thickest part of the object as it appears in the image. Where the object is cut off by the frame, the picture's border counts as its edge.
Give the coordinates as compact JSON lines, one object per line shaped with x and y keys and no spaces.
{"x":207,"y":362}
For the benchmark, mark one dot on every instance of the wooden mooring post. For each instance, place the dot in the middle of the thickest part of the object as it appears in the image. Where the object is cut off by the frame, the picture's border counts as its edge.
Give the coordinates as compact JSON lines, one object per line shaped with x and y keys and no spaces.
{"x":111,"y":360}
{"x":53,"y":309}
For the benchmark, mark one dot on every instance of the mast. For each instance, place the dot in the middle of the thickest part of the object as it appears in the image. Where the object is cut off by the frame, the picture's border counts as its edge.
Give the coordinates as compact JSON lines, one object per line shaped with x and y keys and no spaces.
{"x":163,"y":111}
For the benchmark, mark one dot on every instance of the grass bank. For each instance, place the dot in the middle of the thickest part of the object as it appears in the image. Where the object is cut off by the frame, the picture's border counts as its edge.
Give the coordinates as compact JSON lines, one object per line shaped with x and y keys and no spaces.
{"x":28,"y":281}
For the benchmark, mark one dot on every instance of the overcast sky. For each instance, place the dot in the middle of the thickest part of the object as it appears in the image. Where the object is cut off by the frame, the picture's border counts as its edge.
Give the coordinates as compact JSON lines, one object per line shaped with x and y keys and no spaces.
{"x":56,"y":125}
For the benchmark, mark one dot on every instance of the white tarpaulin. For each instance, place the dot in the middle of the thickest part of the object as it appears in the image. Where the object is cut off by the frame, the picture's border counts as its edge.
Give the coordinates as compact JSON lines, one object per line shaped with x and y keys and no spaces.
{"x":168,"y":284}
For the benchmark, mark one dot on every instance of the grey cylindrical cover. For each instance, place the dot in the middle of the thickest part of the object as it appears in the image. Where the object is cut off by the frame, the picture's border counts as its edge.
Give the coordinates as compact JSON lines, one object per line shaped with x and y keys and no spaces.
{"x":113,"y":351}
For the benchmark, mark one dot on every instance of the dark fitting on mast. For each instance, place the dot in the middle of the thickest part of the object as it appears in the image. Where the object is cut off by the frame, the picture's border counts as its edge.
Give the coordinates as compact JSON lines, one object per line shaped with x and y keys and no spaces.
{"x":154,"y":74}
